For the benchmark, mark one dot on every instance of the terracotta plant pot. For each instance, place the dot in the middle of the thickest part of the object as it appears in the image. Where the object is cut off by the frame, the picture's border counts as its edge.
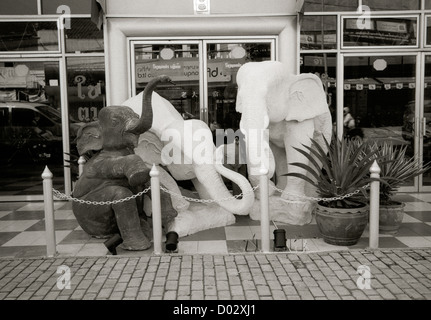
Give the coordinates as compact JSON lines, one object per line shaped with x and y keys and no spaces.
{"x":391,"y":217}
{"x":341,"y":227}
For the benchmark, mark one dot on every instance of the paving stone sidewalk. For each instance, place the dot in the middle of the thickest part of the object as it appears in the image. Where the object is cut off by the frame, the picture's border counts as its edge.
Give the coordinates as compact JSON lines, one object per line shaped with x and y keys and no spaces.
{"x":394,"y":274}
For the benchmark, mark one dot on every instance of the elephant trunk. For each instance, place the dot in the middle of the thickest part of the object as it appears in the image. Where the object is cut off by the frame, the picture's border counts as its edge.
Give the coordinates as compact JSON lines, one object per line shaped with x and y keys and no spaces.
{"x":145,"y":122}
{"x":255,"y":129}
{"x":209,"y":175}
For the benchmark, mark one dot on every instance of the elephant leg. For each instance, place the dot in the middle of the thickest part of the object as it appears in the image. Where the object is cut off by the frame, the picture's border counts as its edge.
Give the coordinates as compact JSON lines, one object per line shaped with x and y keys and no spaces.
{"x":129,"y":223}
{"x":297,"y":135}
{"x":200,"y":188}
{"x":299,"y":209}
{"x":280,"y":165}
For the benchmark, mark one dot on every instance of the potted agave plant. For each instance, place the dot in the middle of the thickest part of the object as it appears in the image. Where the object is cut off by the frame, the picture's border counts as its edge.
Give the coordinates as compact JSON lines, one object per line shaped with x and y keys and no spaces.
{"x":340,"y":176}
{"x":395,"y":169}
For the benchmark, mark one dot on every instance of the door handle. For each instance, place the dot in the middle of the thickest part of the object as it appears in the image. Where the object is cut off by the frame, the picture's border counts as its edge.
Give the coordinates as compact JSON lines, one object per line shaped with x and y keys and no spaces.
{"x":417,"y":128}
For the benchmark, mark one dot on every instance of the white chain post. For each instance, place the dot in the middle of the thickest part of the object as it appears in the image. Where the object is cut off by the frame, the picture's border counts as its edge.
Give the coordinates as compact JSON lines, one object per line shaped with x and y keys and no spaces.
{"x":374,"y":206}
{"x":48,"y":200}
{"x":156,"y":207}
{"x":264,"y":208}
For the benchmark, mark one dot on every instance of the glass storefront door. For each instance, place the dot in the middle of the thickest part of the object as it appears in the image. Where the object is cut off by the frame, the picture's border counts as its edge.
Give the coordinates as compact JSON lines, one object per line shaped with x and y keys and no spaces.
{"x":31,"y":132}
{"x":380,"y":101}
{"x":223,"y":59}
{"x":180,"y":61}
{"x":209,"y":96}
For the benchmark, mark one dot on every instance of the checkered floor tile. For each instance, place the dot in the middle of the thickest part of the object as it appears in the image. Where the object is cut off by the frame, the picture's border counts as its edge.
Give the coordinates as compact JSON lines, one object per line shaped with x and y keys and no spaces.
{"x":22,"y":233}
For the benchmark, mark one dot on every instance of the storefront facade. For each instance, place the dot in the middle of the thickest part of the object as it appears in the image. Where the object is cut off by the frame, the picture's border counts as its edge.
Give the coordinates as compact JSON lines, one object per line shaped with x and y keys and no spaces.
{"x":374,"y":59}
{"x":374,"y":62}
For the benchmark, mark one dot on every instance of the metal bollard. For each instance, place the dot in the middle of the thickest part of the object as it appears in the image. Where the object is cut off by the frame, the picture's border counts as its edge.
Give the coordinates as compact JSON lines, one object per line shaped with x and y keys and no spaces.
{"x":48,"y":200}
{"x":81,"y":163}
{"x":156,"y":207}
{"x":264,"y":209}
{"x":374,"y":206}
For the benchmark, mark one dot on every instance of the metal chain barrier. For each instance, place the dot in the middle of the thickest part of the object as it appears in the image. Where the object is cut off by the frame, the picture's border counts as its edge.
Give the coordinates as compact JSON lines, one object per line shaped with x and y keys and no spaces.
{"x":324,"y":199}
{"x":207,"y":200}
{"x":63,"y":196}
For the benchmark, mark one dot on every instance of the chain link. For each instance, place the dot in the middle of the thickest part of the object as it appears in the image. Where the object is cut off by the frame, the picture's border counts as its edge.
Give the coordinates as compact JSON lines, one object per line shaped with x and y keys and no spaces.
{"x":207,"y":200}
{"x":63,"y":196}
{"x":324,"y":199}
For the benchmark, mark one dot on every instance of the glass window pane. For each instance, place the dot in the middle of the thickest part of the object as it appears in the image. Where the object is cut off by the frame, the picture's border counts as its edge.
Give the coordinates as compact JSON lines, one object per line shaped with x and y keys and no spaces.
{"x":85,"y":88}
{"x":330,"y":5}
{"x":427,"y":4}
{"x":323,"y":65}
{"x":319,"y":32}
{"x":181,"y":63}
{"x":428,"y":30}
{"x":76,"y":6}
{"x":379,"y":92}
{"x":392,"y":4}
{"x":377,"y":32}
{"x":86,"y":96}
{"x":18,"y":7}
{"x":29,"y":36}
{"x":30,"y":126}
{"x":83,"y":36}
{"x":224,"y":60}
{"x":427,"y":121}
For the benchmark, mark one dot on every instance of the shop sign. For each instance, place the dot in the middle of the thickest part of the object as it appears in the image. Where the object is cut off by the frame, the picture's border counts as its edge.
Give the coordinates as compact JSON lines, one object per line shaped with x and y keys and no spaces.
{"x":187,"y":70}
{"x":388,"y":26}
{"x":92,"y":91}
{"x":329,"y":38}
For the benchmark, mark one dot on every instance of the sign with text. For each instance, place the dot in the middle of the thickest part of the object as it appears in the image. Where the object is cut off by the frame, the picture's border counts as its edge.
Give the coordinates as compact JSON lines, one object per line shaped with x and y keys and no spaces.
{"x":186,"y":70}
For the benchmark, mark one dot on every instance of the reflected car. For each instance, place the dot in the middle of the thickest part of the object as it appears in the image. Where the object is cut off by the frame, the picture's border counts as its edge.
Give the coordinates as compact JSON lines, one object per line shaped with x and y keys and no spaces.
{"x":31,"y":130}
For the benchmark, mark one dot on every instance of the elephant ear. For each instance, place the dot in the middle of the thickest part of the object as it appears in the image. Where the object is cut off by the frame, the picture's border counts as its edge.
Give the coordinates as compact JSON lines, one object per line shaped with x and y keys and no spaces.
{"x":307,"y":98}
{"x":150,"y":148}
{"x":89,"y":138}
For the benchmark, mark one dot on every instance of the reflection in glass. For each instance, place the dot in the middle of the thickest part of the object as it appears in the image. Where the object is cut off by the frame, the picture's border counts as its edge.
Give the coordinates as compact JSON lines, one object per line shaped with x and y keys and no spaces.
{"x":224,"y":60}
{"x":379,"y":93}
{"x":76,"y":6}
{"x":18,"y":7}
{"x":30,"y":126}
{"x":427,"y":120}
{"x":85,"y":96}
{"x":428,"y":30}
{"x":29,"y":36}
{"x":323,"y":65}
{"x":83,"y":36}
{"x":330,"y":5}
{"x":181,"y":63}
{"x":377,"y":32}
{"x":319,"y":32}
{"x":392,"y":4}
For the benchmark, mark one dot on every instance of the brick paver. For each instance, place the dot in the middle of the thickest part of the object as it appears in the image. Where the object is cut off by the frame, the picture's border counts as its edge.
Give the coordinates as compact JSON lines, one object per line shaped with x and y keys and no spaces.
{"x":394,"y":274}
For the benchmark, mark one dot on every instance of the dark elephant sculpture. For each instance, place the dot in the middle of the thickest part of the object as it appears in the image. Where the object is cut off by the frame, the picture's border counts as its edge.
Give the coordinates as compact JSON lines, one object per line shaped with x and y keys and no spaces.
{"x":116,"y":173}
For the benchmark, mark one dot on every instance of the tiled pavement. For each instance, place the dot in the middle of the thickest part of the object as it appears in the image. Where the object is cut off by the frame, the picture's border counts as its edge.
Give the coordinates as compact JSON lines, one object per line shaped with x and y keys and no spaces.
{"x":213,"y":264}
{"x":402,"y":274}
{"x":22,"y":233}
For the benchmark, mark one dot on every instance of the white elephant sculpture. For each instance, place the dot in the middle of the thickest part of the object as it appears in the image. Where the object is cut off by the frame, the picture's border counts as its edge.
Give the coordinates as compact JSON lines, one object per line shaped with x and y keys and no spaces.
{"x":294,"y":109}
{"x":206,"y":176}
